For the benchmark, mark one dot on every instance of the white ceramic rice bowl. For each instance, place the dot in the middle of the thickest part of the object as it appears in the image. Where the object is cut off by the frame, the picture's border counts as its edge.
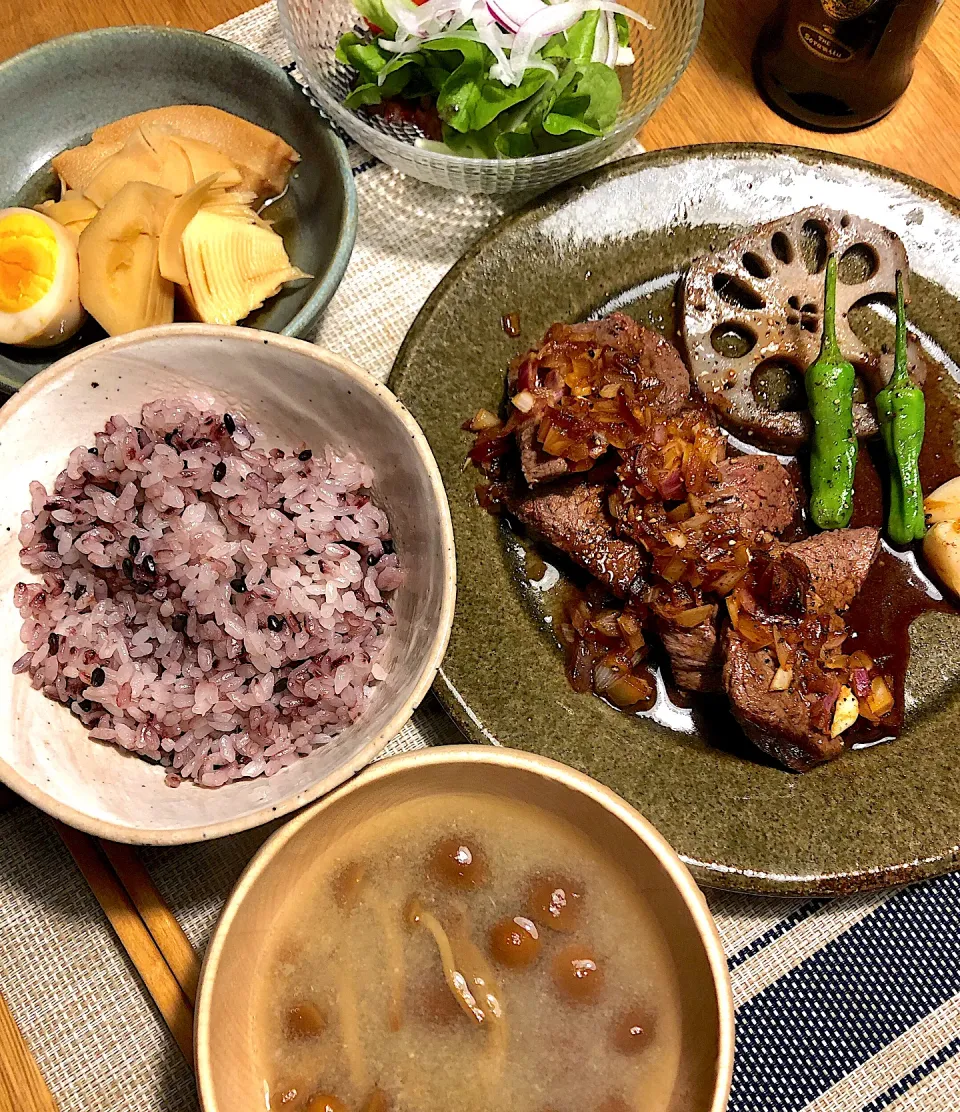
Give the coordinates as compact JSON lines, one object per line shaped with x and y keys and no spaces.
{"x":295,"y":392}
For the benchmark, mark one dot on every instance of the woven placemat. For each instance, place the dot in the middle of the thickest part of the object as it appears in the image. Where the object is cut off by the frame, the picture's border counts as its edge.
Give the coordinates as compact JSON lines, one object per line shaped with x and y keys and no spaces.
{"x":849,"y":1005}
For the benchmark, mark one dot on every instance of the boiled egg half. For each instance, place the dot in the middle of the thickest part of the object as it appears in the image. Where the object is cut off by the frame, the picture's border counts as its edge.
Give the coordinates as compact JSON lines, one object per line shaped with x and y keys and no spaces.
{"x":39,"y":280}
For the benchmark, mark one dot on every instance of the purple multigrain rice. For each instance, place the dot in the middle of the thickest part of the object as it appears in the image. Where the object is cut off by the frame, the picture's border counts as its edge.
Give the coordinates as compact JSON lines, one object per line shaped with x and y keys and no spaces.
{"x":164,"y":553}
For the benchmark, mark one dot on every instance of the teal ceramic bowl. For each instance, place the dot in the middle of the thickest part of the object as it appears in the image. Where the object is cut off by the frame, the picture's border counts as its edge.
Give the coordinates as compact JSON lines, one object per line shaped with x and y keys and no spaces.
{"x":56,"y":94}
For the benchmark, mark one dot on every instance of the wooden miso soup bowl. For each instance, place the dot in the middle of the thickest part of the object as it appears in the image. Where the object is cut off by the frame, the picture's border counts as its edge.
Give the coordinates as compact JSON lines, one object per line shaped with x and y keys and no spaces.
{"x":237,"y":962}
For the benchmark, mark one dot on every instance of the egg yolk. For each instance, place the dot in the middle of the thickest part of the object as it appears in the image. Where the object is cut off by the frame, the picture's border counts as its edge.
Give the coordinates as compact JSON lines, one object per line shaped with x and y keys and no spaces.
{"x":28,"y":261}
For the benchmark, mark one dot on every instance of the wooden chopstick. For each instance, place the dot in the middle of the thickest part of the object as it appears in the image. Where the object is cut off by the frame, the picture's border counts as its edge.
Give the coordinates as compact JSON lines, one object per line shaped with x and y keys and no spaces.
{"x":137,"y":940}
{"x":22,"y":1087}
{"x":159,"y":919}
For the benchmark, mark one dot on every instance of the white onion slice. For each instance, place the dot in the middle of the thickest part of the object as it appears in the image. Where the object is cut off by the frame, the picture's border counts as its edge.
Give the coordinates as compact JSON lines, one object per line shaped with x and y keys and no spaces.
{"x":601,"y":39}
{"x":619,"y":9}
{"x":407,"y":19}
{"x":512,"y":14}
{"x":491,"y":35}
{"x":407,"y":46}
{"x":553,"y":19}
{"x":538,"y":63}
{"x":529,"y":23}
{"x":613,"y":40}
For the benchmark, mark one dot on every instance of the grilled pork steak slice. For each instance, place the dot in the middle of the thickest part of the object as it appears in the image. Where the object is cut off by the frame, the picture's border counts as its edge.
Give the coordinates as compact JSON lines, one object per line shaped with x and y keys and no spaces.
{"x":621,"y":345}
{"x":838,"y":562}
{"x":780,"y":722}
{"x":763,"y":495}
{"x":537,"y":466}
{"x":696,"y":655}
{"x":572,"y":515}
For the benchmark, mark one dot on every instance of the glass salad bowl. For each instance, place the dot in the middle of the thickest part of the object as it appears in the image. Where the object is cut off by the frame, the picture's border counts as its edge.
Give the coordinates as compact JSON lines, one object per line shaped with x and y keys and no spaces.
{"x":313,"y":29}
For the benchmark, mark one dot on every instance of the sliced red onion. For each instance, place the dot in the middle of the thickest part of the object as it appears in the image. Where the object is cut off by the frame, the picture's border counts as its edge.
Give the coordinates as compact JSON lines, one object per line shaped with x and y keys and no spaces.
{"x":491,"y":35}
{"x":498,"y":14}
{"x":529,"y":24}
{"x":527,"y":376}
{"x":464,"y":13}
{"x":440,"y":10}
{"x":860,"y":679}
{"x":512,"y":14}
{"x":671,"y":485}
{"x":550,"y":20}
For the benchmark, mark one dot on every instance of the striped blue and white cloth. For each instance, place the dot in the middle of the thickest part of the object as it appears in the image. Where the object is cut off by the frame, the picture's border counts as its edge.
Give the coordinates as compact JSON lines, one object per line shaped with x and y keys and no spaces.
{"x":848,"y":1005}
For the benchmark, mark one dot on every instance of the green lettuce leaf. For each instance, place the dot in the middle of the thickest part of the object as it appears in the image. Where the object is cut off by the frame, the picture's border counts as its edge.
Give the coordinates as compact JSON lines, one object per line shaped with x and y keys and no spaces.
{"x":472,"y":144}
{"x":362,"y":95}
{"x":521,"y":127}
{"x":399,"y":74}
{"x":581,"y":36}
{"x":482,"y":117}
{"x":556,"y":47}
{"x":366,"y":57}
{"x":623,"y":29}
{"x":470,"y":100}
{"x":495,"y":98}
{"x":589,"y":105}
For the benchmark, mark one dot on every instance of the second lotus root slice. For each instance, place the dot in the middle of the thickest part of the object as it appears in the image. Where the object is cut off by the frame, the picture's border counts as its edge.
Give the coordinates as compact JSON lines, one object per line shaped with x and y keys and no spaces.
{"x":757,"y":303}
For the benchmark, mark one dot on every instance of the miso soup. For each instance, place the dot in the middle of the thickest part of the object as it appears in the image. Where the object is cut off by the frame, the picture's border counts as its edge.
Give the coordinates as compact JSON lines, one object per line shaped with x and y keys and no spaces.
{"x":461,"y":953}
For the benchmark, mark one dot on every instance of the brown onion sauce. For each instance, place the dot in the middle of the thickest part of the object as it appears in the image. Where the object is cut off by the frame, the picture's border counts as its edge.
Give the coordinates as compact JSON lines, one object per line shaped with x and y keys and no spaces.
{"x":881,"y":630}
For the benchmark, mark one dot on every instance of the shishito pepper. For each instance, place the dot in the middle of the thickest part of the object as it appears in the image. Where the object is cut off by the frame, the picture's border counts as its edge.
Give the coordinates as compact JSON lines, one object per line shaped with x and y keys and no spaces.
{"x":833,"y":446}
{"x":901,"y":412}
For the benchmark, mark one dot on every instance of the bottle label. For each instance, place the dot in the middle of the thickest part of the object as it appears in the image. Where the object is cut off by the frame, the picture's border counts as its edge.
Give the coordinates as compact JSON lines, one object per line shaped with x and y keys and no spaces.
{"x":824,"y":45}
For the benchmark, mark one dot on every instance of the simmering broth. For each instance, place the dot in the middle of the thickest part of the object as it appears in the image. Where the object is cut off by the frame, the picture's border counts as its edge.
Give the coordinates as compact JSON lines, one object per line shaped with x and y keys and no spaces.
{"x":462,"y":953}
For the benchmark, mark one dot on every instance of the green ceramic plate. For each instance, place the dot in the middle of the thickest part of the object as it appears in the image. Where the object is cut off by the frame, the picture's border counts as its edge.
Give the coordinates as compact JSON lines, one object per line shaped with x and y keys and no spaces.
{"x":618,"y":238}
{"x":54,"y":95}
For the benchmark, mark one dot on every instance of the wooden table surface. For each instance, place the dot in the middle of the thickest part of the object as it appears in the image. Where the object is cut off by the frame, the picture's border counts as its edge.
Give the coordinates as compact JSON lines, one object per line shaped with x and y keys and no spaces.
{"x":715,"y":100}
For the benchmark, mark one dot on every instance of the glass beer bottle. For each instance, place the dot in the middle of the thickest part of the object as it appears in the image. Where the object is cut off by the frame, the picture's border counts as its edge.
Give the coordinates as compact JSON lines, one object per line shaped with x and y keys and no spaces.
{"x":836,"y":65}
